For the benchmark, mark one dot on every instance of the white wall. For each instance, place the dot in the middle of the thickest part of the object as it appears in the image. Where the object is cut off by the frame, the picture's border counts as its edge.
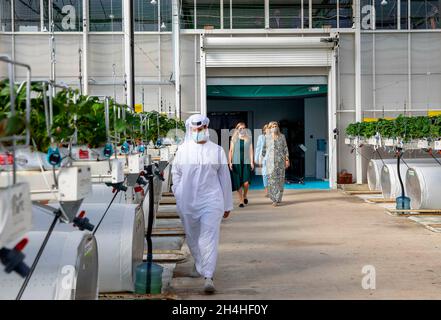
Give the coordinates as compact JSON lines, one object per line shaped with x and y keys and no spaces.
{"x":316,"y":119}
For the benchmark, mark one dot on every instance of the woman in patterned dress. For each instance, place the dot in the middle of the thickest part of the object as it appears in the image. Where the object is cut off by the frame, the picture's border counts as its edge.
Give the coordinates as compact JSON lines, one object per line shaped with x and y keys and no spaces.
{"x":277,"y":161}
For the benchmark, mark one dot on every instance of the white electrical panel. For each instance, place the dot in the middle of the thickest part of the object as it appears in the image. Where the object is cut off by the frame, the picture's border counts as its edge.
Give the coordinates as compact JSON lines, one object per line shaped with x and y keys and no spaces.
{"x":423,"y":144}
{"x":136,"y":163}
{"x":117,"y":171}
{"x":147,"y":160}
{"x":389,"y":142}
{"x":153,"y":152}
{"x":437,"y":145}
{"x":74,"y":183}
{"x":173,"y":148}
{"x":165,"y":154}
{"x":15,"y":212}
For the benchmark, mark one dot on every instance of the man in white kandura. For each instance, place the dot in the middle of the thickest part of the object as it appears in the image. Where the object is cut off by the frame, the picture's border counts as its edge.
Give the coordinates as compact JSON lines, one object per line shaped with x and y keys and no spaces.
{"x":202,"y":188}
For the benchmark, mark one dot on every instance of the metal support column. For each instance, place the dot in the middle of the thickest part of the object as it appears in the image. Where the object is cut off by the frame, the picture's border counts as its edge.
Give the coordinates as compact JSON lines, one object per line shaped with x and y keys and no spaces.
{"x":129,"y":40}
{"x":176,"y":55}
{"x":358,"y":112}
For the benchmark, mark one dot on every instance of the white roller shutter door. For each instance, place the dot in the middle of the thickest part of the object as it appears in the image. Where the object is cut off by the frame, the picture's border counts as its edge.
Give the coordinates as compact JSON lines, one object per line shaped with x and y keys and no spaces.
{"x":267,"y":52}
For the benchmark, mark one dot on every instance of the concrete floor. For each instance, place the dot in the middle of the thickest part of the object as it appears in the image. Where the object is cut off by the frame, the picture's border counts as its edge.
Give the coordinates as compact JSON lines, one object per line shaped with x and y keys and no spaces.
{"x":314,"y":246}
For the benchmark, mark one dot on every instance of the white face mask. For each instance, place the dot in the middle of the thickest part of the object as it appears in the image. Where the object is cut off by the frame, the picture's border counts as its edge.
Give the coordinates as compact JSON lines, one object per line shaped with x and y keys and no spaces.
{"x":274,"y":130}
{"x":199,"y":136}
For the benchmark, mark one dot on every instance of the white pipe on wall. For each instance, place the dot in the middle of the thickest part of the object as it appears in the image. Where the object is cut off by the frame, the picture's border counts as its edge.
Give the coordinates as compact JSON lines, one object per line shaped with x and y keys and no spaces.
{"x":358,"y":112}
{"x":127,"y":51}
{"x":374,"y":73}
{"x":203,"y":77}
{"x":267,"y":15}
{"x":85,"y":51}
{"x":176,"y":57}
{"x":221,"y":14}
{"x":332,"y":121}
{"x":41,"y":15}
{"x":409,"y":71}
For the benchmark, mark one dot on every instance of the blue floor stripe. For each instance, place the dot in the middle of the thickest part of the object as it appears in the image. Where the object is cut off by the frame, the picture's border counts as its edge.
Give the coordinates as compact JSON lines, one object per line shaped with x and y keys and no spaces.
{"x":257,"y":184}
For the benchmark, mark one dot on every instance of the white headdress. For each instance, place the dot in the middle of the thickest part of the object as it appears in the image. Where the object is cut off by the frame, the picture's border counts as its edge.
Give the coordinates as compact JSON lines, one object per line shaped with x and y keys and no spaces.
{"x":195,"y":121}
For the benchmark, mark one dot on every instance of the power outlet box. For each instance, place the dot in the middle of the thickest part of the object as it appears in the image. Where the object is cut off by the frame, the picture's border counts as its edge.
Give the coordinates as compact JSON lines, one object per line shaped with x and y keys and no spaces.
{"x":15,"y":212}
{"x":423,"y":144}
{"x":74,"y":183}
{"x":165,"y":154}
{"x":117,"y":171}
{"x":136,"y":163}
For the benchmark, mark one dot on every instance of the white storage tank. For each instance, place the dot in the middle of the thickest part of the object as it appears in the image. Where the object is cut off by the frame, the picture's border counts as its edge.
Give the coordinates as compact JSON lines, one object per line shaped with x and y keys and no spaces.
{"x":423,"y":187}
{"x":67,"y":269}
{"x":102,"y":194}
{"x":374,"y":172}
{"x":120,"y":239}
{"x":390,"y":184}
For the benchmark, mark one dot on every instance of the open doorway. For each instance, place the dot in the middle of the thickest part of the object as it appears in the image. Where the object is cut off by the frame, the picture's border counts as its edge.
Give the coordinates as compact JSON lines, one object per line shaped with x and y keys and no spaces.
{"x":301,"y":111}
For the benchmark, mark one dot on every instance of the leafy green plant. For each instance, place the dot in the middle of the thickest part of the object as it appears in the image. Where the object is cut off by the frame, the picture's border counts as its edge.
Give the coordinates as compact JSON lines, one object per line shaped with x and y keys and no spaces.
{"x":435,"y":127}
{"x":84,"y":115}
{"x":361,"y":129}
{"x":369,"y":129}
{"x":90,"y":122}
{"x":407,"y":128}
{"x":353,"y":129}
{"x":386,"y":128}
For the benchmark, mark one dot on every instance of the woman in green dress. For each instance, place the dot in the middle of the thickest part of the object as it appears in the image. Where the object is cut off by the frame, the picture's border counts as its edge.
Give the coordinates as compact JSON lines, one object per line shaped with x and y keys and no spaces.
{"x":241,"y":161}
{"x":277,"y":161}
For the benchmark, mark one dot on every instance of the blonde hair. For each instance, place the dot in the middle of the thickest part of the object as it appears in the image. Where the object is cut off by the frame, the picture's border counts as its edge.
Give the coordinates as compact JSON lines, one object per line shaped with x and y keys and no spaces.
{"x":265,"y":126}
{"x":236,"y":131}
{"x":274,"y":124}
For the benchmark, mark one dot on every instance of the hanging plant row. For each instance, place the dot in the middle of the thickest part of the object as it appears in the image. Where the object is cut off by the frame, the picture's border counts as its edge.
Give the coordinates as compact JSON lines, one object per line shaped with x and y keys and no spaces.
{"x":79,"y":119}
{"x":421,"y":132}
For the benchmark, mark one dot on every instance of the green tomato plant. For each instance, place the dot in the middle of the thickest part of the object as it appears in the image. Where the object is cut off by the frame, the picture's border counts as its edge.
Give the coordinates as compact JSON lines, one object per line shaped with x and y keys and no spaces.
{"x":406,"y":128}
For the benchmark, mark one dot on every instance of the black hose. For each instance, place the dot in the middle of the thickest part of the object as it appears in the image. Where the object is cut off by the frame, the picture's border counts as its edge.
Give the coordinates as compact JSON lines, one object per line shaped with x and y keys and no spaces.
{"x":105,"y":212}
{"x":436,"y":159}
{"x":40,"y":252}
{"x":399,"y":174}
{"x":149,"y":233}
{"x":402,"y":160}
